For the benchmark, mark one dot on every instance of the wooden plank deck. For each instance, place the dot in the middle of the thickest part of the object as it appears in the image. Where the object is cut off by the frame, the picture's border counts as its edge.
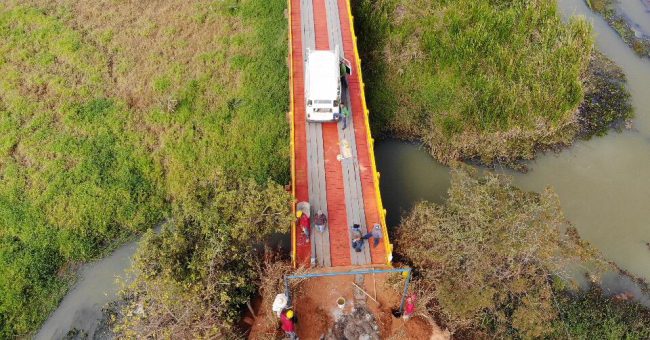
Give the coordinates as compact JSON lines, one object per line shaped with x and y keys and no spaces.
{"x":343,"y":189}
{"x":318,"y":196}
{"x":352,"y":181}
{"x":320,"y":244}
{"x":361,"y":132}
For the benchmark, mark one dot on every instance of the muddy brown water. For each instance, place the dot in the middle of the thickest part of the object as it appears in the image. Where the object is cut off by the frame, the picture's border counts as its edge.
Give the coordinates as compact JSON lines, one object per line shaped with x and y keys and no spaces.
{"x":637,"y":12}
{"x":603,"y":183}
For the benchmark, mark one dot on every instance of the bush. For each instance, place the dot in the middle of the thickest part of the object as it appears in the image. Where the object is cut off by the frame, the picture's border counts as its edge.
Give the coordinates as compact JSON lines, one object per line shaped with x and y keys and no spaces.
{"x":591,"y":315}
{"x":192,"y":279}
{"x":491,"y":254}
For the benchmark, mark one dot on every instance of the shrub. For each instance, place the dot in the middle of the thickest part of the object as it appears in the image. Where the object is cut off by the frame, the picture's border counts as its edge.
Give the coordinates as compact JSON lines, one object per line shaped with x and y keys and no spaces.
{"x":491,"y":254}
{"x":192,"y":279}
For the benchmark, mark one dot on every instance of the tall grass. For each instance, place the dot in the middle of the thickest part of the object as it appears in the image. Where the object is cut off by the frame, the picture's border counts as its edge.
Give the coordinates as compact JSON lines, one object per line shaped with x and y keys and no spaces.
{"x":109,"y":110}
{"x":471,"y":78}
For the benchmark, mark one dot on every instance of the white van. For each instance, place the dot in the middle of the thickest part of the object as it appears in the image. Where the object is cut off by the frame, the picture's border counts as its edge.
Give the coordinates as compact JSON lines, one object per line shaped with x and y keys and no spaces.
{"x":323,"y":85}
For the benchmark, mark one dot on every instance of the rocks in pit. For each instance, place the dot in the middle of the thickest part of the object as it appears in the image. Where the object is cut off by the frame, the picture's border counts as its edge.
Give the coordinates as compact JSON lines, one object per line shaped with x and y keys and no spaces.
{"x":361,"y":324}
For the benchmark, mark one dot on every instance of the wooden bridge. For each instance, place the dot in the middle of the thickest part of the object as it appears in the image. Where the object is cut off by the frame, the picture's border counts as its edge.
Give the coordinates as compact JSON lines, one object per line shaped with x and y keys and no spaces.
{"x":333,"y":168}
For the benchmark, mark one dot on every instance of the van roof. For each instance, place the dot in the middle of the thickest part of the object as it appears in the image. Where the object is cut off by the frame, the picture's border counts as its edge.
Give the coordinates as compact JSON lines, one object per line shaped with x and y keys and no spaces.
{"x":323,"y":75}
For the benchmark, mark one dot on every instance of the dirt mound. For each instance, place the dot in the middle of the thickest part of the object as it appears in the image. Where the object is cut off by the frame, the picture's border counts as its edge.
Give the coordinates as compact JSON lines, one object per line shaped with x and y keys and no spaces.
{"x":362,"y":316}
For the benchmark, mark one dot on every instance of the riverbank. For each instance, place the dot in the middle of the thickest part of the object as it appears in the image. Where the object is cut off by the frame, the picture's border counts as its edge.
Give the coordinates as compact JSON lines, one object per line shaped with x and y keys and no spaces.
{"x":632,"y":33}
{"x":606,"y":104}
{"x":82,"y":309}
{"x":485,"y":83}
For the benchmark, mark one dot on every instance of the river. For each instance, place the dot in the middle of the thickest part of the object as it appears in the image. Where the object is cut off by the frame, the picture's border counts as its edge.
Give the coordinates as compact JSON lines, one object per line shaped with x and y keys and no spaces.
{"x":95,"y":287}
{"x":603,"y":183}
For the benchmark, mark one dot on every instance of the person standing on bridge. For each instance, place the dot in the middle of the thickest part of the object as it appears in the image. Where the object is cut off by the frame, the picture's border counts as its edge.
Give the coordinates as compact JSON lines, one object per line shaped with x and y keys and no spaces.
{"x":357,"y":239}
{"x":376,"y":234}
{"x":345,"y":113}
{"x":320,"y":220}
{"x":304,"y":223}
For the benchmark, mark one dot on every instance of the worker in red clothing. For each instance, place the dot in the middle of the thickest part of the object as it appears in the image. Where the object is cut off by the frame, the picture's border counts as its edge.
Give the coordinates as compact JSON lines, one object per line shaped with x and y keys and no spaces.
{"x":304,"y":223}
{"x":409,"y":308}
{"x":286,"y":318}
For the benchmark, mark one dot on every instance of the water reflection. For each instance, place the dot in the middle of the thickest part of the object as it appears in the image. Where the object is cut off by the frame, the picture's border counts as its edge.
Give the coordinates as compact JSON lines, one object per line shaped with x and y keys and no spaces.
{"x":408,"y":175}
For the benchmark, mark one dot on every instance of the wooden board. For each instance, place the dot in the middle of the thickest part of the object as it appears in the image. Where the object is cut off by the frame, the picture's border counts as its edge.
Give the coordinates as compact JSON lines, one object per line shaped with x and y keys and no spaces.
{"x":352,"y":181}
{"x":365,"y":166}
{"x":343,"y":189}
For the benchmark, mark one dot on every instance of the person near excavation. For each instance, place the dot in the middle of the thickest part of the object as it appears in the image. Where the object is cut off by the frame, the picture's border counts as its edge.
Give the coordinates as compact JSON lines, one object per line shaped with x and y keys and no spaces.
{"x":286,"y":319}
{"x":320,"y":220}
{"x":304,"y":223}
{"x":409,"y":307}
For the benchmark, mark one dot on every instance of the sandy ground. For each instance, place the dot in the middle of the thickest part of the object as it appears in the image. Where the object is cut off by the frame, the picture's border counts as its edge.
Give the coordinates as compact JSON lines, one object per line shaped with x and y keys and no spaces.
{"x":315,"y":305}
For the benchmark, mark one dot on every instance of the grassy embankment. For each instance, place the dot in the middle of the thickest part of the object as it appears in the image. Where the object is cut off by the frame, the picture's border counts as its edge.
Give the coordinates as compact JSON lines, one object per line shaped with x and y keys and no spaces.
{"x":109,"y":111}
{"x":607,"y":8}
{"x":494,"y":81}
{"x":492,"y":263}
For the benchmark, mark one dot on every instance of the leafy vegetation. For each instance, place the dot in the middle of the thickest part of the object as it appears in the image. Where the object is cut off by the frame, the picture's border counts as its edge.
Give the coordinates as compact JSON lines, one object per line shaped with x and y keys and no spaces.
{"x":492,"y":80}
{"x":192,"y":279}
{"x":112,"y":111}
{"x":607,"y":101}
{"x":592,"y":315}
{"x":493,"y":260}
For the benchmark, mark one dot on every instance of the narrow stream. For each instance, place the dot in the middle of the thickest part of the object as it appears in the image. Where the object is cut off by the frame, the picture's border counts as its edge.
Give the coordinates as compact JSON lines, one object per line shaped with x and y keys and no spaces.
{"x":638,"y":13}
{"x":96,"y":286}
{"x":603,"y":183}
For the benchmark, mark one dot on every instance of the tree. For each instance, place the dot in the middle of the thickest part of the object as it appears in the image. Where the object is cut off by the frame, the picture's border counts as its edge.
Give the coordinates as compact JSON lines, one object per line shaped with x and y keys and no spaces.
{"x":492,"y":254}
{"x":193,"y":277}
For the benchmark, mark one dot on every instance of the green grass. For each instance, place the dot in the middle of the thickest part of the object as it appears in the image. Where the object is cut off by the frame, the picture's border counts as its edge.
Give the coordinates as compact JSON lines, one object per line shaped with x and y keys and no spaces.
{"x":473,"y":79}
{"x":92,"y":151}
{"x":591,"y":315}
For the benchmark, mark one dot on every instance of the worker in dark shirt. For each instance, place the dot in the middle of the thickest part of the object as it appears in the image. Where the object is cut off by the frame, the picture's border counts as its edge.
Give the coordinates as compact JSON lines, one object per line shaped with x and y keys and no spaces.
{"x":357,"y":238}
{"x":320,"y":220}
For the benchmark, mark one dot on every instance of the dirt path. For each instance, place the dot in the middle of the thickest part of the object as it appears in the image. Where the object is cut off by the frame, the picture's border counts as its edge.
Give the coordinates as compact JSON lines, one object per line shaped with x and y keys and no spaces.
{"x":315,"y":305}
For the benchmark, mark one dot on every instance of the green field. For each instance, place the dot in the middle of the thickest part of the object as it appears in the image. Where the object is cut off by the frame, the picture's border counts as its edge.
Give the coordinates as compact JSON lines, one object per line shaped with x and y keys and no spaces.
{"x":488,"y":80}
{"x":110,"y":111}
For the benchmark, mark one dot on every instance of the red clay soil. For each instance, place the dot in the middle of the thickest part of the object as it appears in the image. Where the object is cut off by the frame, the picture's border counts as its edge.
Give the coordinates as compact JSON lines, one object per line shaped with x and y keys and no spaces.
{"x":316,"y":310}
